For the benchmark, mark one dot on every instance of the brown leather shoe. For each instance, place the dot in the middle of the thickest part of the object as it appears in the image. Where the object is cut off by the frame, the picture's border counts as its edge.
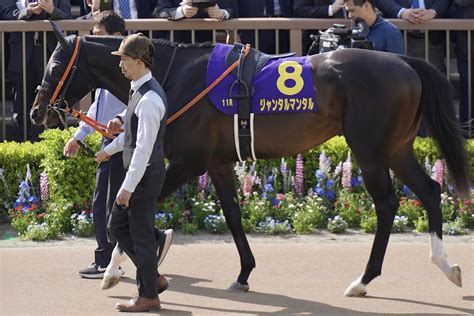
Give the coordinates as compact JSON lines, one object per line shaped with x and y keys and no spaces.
{"x":163,"y":284}
{"x":140,"y":304}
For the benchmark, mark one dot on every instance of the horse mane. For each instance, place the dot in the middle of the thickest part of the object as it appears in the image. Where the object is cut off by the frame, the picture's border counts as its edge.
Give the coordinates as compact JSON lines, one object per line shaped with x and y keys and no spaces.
{"x":106,"y":39}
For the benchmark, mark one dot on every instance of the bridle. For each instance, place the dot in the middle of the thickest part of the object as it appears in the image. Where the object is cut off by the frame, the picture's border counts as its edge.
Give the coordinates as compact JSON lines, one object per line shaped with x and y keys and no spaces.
{"x":56,"y":103}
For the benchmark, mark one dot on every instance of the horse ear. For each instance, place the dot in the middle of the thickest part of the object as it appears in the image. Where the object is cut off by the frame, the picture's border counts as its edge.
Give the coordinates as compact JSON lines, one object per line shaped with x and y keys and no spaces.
{"x":59,"y":35}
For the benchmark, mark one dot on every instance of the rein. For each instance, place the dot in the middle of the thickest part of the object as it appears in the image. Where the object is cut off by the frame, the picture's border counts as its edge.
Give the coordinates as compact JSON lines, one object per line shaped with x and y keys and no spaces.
{"x":206,"y":91}
{"x":101,"y":128}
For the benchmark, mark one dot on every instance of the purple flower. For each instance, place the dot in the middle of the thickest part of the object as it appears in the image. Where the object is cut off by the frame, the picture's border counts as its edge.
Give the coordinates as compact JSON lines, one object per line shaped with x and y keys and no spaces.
{"x":283,"y":166}
{"x":203,"y":182}
{"x":324,"y":163}
{"x":438,"y":172}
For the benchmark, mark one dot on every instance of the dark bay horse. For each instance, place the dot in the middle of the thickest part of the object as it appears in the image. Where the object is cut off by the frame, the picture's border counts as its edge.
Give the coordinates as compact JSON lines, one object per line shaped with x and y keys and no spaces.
{"x":376,"y":100}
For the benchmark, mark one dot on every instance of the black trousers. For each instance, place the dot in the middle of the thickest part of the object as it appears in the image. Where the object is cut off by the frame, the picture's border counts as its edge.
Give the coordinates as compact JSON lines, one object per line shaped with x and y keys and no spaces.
{"x":109,"y":176}
{"x":134,"y":229}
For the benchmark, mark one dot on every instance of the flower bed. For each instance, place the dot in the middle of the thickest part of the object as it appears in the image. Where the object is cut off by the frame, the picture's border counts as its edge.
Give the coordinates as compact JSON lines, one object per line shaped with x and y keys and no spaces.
{"x":47,"y":195}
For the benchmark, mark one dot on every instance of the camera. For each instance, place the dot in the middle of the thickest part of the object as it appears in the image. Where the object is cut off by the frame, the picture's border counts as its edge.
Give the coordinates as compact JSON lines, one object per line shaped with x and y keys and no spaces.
{"x":339,"y":36}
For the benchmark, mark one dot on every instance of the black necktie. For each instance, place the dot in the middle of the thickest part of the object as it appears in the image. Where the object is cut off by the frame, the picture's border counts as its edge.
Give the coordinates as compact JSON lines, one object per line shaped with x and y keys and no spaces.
{"x":270,"y":7}
{"x":130,"y":93}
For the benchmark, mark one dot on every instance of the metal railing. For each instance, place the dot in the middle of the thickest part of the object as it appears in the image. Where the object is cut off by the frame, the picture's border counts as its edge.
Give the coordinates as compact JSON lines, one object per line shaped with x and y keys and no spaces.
{"x":295,"y":26}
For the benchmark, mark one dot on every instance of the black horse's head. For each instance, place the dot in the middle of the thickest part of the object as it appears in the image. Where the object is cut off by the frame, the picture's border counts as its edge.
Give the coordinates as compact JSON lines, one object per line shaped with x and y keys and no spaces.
{"x":50,"y":112}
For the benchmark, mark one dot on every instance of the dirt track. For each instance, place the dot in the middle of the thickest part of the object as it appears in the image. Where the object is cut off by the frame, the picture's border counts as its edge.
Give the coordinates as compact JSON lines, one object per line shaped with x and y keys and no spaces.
{"x":296,"y":275}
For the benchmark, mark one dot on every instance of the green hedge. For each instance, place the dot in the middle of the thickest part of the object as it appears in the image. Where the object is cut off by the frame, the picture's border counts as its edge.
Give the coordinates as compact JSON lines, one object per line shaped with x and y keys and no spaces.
{"x":73,"y":179}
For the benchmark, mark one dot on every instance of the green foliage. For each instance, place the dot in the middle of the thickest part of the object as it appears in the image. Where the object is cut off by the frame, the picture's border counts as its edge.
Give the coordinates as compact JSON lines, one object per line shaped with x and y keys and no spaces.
{"x":216,"y":224}
{"x":72,"y":179}
{"x":14,"y":158}
{"x":351,"y":205}
{"x":337,"y":225}
{"x":454,"y":228}
{"x":20,"y":221}
{"x":310,"y":213}
{"x":421,"y":224}
{"x":58,"y":216}
{"x":411,"y":209}
{"x":368,"y":222}
{"x":40,"y":232}
{"x":189,"y":228}
{"x":400,"y":224}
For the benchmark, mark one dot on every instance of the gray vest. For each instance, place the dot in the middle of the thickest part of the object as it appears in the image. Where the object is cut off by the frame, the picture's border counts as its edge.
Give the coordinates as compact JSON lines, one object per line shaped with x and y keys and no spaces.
{"x":157,"y":155}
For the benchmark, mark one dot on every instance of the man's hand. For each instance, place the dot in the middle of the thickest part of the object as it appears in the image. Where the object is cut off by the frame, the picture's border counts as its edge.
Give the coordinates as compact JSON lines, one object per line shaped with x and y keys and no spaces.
{"x":215,"y":12}
{"x":123,"y":198}
{"x":113,"y":126}
{"x":46,"y":5}
{"x":189,"y":11}
{"x":336,"y":6}
{"x":33,"y":8}
{"x":426,"y":15}
{"x":71,"y":148}
{"x":101,"y":156}
{"x":412,"y":16}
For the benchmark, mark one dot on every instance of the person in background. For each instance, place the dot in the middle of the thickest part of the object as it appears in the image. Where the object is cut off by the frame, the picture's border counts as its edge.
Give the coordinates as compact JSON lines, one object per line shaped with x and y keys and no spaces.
{"x":34,"y":57}
{"x":317,"y":9}
{"x":464,"y":9}
{"x":188,"y":9}
{"x":266,"y":8}
{"x":419,"y":12}
{"x":384,"y":35}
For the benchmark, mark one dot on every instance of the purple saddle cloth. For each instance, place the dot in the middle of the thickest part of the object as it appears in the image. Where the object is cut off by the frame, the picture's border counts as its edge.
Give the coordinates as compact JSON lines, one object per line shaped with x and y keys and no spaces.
{"x":284,"y":85}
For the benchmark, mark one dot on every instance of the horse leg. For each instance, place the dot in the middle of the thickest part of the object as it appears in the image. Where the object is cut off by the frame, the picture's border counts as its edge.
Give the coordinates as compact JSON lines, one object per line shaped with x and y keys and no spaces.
{"x":378,"y":183}
{"x":176,"y":176}
{"x":113,"y":274}
{"x":407,"y":168}
{"x":223,"y":178}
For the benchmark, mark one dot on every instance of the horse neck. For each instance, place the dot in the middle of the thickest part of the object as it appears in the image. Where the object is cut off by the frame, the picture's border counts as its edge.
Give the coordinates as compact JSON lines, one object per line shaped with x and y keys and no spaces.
{"x":103,"y":66}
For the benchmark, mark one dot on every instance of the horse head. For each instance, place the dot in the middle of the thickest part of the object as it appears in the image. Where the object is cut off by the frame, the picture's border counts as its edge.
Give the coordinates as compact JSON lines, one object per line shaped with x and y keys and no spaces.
{"x":45,"y":109}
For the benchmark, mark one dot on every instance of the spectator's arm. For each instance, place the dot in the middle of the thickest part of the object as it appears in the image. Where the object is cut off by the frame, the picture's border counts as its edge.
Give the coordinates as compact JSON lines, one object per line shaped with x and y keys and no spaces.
{"x":62,"y":11}
{"x":305,"y":9}
{"x":228,"y":8}
{"x":8,"y":10}
{"x":441,"y":7}
{"x":166,"y":9}
{"x":389,"y":8}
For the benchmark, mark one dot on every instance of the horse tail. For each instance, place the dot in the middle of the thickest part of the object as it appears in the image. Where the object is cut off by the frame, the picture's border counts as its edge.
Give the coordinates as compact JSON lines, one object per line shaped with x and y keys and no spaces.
{"x":437,"y":109}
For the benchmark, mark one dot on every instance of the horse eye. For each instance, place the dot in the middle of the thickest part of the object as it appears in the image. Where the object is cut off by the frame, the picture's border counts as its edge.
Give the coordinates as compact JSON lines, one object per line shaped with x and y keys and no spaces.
{"x":56,"y":71}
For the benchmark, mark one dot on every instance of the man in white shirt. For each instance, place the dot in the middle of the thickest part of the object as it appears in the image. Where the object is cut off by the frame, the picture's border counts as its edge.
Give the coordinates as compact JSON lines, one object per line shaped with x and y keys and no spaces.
{"x":143,"y":158}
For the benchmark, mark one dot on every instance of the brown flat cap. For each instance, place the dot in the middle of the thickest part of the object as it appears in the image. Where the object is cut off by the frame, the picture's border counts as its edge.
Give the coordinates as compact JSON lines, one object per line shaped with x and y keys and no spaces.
{"x":137,"y":46}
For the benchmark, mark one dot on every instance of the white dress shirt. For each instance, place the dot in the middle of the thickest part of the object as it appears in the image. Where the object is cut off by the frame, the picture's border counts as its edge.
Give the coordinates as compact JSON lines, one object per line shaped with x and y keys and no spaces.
{"x":105,"y":107}
{"x":150,"y":111}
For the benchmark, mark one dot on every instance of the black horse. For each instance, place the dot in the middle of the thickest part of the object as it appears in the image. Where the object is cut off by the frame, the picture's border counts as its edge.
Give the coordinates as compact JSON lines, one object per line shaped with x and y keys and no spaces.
{"x":376,"y":100}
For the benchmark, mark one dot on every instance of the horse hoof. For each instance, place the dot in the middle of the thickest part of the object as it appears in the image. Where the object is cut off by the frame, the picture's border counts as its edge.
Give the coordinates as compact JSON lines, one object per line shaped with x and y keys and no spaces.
{"x":237,"y":287}
{"x":111,"y":279}
{"x":455,"y":275}
{"x":356,"y":289}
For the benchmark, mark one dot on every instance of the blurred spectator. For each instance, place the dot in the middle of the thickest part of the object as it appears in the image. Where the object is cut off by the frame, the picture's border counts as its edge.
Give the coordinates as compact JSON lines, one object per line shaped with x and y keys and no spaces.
{"x":384,"y":35}
{"x":128,"y":9}
{"x":25,"y":10}
{"x":266,"y":8}
{"x":93,"y":7}
{"x":188,"y":9}
{"x":318,"y":9}
{"x":418,"y":12}
{"x":464,"y":9}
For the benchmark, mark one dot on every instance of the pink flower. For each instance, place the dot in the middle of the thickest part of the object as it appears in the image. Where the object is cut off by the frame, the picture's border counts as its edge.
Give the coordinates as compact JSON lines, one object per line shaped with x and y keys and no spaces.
{"x":438,"y":172}
{"x":299,"y":176}
{"x":347,"y":173}
{"x":280,"y":196}
{"x":247,"y":185}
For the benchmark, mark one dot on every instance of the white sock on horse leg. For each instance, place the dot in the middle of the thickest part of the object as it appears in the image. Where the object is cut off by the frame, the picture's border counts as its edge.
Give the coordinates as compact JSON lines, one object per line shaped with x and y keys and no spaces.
{"x":440,"y":258}
{"x":118,"y":257}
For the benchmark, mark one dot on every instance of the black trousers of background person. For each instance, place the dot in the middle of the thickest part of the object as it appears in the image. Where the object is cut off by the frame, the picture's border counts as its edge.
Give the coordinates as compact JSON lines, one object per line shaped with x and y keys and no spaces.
{"x":109,"y":177}
{"x":34,"y":76}
{"x":134,"y":229}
